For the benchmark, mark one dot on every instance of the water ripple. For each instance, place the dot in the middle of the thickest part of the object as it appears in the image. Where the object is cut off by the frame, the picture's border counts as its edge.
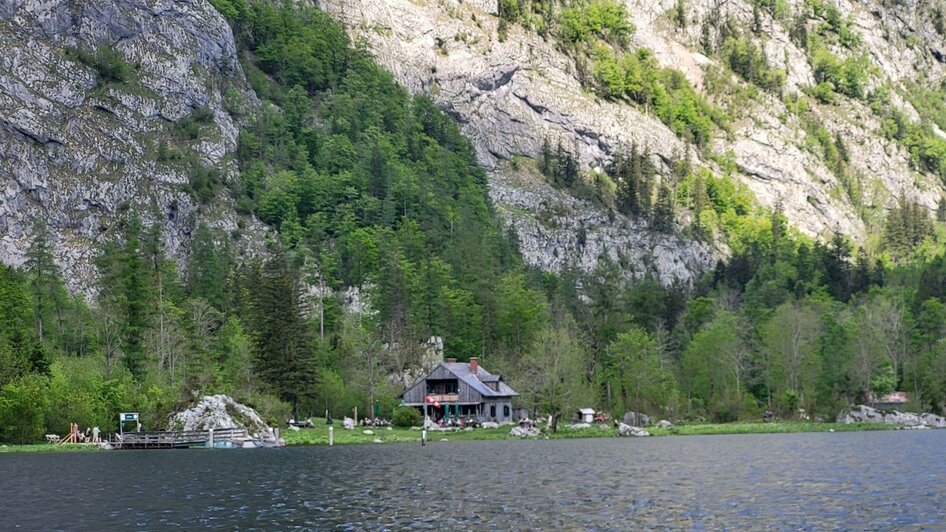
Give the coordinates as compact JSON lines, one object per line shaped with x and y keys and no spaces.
{"x":850,"y":481}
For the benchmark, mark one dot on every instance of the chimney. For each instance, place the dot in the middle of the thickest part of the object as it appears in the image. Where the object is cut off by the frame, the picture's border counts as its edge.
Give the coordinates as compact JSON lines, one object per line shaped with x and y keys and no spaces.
{"x":451,"y":361}
{"x":474,"y":364}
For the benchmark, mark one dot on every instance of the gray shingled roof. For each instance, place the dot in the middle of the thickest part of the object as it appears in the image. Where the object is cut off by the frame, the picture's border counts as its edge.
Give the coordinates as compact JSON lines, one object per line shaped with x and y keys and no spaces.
{"x":462,"y":371}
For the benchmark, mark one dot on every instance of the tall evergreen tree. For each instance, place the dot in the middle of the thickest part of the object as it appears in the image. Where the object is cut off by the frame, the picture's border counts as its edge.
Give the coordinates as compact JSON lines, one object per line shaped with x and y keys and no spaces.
{"x":285,"y":351}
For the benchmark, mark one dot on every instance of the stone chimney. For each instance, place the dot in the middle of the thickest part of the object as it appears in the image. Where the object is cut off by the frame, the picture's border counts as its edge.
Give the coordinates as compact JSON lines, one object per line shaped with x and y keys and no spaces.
{"x":451,"y":361}
{"x":474,"y":364}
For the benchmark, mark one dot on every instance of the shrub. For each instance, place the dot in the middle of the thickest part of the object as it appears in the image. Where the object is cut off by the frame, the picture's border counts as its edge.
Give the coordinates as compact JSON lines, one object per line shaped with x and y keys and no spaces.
{"x":596,"y":19}
{"x":111,"y":66}
{"x":23,"y":410}
{"x":406,"y":416}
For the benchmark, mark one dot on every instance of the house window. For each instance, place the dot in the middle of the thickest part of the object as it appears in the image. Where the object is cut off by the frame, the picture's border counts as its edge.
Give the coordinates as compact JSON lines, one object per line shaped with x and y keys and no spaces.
{"x":506,"y":411}
{"x":492,"y":410}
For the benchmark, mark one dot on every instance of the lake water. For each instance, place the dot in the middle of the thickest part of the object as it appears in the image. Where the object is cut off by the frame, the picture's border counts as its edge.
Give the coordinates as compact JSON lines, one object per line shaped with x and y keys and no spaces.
{"x":853,"y":481}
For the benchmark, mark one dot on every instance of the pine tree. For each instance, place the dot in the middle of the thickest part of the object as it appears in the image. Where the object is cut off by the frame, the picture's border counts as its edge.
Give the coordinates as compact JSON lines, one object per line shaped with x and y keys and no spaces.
{"x":648,"y":173}
{"x":663,"y":210}
{"x":547,"y":162}
{"x":284,"y":357}
{"x":46,"y":283}
{"x":680,"y":14}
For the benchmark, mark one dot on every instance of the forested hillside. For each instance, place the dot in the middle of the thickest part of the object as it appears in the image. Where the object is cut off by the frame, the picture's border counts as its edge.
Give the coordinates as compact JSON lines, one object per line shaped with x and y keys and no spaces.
{"x":382,"y":235}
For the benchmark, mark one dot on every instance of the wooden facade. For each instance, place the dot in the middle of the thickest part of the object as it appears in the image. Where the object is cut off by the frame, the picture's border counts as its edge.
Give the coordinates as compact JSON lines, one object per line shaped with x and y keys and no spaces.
{"x":463,"y":390}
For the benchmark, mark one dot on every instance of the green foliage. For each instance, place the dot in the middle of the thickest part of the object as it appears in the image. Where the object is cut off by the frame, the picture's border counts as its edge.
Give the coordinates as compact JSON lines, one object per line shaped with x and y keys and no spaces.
{"x":406,"y":416}
{"x":679,"y":14}
{"x":907,"y":225}
{"x":588,"y":21}
{"x":846,"y":76}
{"x":750,"y":63}
{"x":638,"y":78}
{"x":636,"y":372}
{"x":834,"y":24}
{"x":109,"y":64}
{"x":230,"y":9}
{"x":634,"y":174}
{"x":23,"y":409}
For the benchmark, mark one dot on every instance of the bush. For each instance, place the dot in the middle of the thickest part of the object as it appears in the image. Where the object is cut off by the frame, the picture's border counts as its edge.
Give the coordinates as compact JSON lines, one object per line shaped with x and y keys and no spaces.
{"x":596,"y":19}
{"x":23,"y":410}
{"x":406,"y":416}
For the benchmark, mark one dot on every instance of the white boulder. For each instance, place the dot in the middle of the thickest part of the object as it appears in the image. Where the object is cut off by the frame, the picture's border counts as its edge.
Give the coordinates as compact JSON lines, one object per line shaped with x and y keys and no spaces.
{"x":348,"y":423}
{"x":524,"y":432}
{"x":219,"y":412}
{"x":627,"y":430}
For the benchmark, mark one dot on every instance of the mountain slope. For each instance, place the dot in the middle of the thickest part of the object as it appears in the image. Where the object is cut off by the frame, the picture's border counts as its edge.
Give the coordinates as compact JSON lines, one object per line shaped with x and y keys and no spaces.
{"x":509,"y":94}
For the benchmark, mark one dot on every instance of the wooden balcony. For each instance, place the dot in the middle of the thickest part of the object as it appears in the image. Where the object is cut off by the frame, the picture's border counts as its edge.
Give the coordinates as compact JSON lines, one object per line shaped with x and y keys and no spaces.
{"x":445,"y":397}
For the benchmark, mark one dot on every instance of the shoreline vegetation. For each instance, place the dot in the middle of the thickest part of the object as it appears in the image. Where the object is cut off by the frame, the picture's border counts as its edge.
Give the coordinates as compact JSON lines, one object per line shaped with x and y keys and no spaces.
{"x":318,"y":435}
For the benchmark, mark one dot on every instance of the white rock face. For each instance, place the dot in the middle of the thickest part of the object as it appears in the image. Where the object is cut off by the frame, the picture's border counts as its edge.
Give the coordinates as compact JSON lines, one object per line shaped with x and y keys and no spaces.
{"x":556,"y":230}
{"x":219,"y":412}
{"x":80,"y":153}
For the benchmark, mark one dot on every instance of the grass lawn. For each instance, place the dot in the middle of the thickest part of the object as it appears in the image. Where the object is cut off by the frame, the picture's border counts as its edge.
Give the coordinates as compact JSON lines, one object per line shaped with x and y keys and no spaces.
{"x":318,"y":435}
{"x":47,"y":447}
{"x":705,"y":429}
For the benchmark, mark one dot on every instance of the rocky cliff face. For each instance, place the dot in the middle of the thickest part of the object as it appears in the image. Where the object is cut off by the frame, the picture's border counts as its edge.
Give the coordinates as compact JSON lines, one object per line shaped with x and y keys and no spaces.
{"x":509,"y":96}
{"x":108,"y":106}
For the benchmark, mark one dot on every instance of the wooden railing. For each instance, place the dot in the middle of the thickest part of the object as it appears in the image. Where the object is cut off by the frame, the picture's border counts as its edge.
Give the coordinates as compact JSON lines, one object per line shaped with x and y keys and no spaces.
{"x":445,"y":397}
{"x":174,"y":439}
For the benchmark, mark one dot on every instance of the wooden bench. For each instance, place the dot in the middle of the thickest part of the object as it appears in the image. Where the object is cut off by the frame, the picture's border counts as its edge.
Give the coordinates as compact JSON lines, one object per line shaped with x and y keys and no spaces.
{"x":52,"y":438}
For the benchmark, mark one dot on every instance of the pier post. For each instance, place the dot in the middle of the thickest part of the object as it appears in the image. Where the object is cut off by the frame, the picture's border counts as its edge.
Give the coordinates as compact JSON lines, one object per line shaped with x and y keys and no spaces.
{"x":210,"y":439}
{"x":331,"y":436}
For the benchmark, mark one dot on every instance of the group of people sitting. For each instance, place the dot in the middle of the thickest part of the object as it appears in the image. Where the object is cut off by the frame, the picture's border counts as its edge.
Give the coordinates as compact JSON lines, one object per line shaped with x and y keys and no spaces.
{"x":456,"y":422}
{"x":375,"y":422}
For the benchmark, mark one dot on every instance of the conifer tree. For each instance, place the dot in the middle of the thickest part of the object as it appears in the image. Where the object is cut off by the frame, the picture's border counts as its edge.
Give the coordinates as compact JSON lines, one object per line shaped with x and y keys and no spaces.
{"x":45,"y":282}
{"x":284,"y":356}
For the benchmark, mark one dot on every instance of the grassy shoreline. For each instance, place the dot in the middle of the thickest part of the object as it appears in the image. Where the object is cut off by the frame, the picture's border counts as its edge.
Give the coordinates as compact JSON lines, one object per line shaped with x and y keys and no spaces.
{"x":319,"y":434}
{"x":367,"y":435}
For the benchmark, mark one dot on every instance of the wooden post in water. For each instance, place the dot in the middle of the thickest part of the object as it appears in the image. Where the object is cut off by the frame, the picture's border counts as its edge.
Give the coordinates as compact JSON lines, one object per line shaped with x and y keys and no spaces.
{"x":331,"y":436}
{"x":210,"y":439}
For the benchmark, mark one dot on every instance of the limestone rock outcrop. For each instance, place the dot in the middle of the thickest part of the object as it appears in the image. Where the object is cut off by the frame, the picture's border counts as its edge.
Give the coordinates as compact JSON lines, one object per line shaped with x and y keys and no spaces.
{"x":219,"y":412}
{"x":109,"y":106}
{"x":867,"y":414}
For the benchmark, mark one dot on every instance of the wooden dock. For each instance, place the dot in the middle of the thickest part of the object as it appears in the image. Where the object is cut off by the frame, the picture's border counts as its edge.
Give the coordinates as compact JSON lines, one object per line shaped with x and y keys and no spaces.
{"x":176,"y":439}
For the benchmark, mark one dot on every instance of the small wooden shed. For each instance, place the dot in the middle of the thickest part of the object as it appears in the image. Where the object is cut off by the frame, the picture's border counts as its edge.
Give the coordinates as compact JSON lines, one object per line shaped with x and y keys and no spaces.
{"x":586,"y":415}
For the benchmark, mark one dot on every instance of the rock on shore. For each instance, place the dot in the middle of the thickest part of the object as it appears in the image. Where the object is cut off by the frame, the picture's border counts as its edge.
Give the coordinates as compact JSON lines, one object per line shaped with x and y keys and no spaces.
{"x":866,"y":414}
{"x":627,"y":430}
{"x":524,"y":432}
{"x":219,"y":412}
